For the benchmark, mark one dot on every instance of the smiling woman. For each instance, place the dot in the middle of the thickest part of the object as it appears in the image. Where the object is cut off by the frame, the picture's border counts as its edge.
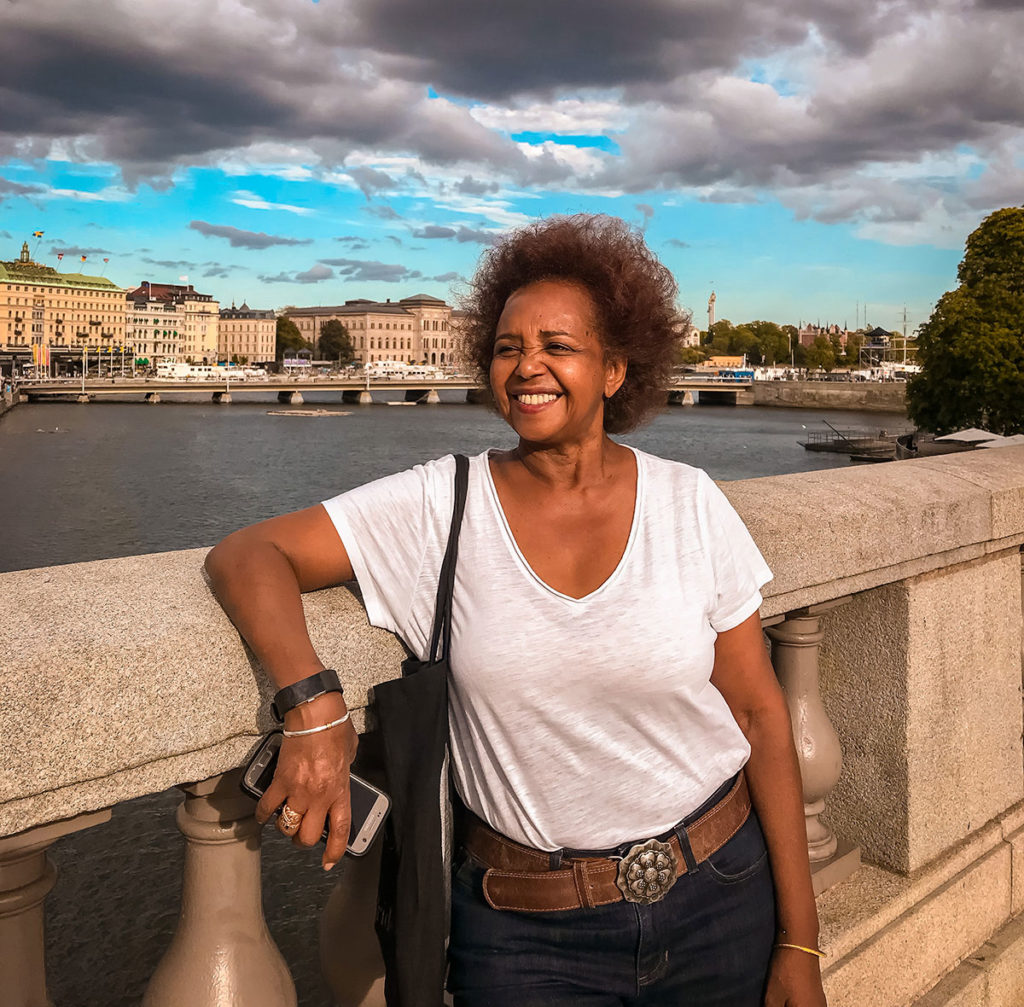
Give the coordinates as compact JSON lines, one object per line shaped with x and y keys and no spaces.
{"x":632,"y":295}
{"x":629,"y":802}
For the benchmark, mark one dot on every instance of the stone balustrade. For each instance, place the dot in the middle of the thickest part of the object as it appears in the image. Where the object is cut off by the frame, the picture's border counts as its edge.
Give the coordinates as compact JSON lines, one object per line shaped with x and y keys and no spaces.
{"x":895,"y":622}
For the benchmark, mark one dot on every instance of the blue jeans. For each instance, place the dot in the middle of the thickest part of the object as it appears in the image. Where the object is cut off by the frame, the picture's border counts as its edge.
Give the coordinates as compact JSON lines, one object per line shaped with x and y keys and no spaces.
{"x":706,"y":944}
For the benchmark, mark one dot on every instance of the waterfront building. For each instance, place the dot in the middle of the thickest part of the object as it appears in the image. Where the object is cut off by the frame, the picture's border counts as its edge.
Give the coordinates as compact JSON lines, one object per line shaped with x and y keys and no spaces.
{"x":413,"y":330}
{"x":246,"y":334}
{"x":808,"y":333}
{"x":40,"y":306}
{"x":172,"y":320}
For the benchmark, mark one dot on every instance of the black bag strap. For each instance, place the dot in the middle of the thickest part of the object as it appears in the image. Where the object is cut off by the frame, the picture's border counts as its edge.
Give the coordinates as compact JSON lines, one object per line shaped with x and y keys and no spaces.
{"x":446,"y":580}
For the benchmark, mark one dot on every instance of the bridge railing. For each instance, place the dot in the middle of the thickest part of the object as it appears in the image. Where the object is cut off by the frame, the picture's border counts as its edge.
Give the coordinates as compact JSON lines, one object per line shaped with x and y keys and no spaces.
{"x":895,"y":626}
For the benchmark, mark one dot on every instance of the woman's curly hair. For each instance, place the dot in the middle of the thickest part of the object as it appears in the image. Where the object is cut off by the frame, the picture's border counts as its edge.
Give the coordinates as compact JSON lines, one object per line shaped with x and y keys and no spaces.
{"x":634,"y":295}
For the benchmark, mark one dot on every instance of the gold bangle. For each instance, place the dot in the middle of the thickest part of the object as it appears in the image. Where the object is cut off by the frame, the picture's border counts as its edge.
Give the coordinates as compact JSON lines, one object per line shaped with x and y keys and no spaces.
{"x":800,"y":947}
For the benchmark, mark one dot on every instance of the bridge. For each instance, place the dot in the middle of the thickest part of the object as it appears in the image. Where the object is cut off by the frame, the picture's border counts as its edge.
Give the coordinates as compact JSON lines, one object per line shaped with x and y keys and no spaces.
{"x":355,"y":390}
{"x":900,"y":653}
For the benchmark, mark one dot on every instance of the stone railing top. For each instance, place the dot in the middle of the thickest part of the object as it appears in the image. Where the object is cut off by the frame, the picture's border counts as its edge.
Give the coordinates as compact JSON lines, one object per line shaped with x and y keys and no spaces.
{"x":124,"y":677}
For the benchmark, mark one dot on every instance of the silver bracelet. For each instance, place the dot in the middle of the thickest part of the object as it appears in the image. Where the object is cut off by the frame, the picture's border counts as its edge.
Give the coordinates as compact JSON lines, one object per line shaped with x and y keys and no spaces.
{"x":317,"y":730}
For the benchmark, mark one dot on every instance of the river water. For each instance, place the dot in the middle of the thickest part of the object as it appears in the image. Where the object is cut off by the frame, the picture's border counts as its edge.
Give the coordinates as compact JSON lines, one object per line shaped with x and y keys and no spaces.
{"x":115,"y":479}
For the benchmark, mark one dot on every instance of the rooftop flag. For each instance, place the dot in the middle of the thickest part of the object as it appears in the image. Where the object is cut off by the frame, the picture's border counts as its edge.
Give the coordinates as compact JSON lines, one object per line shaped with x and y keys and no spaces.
{"x":37,"y":234}
{"x":60,"y":255}
{"x":83,"y":258}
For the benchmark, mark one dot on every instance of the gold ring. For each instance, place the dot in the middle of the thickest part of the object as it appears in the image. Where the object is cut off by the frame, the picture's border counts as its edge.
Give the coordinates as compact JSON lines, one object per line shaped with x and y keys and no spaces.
{"x":288,"y":821}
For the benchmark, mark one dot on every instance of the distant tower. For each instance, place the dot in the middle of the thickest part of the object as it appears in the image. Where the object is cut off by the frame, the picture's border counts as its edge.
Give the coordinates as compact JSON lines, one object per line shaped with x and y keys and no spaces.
{"x":25,"y":257}
{"x":711,"y":310}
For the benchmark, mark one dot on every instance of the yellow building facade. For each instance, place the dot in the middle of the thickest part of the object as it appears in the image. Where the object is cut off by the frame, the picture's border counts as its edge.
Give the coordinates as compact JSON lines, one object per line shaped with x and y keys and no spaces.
{"x":170,"y":321}
{"x":40,"y":306}
{"x":246,"y":335}
{"x":414,"y":330}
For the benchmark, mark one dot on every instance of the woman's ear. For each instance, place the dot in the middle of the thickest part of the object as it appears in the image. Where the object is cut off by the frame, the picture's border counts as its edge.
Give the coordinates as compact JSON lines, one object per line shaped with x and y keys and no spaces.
{"x":615,"y":374}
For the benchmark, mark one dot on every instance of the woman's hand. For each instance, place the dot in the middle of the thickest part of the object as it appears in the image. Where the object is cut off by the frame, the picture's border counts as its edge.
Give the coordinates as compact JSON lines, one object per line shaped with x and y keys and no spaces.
{"x":794,"y":980}
{"x":312,"y":776}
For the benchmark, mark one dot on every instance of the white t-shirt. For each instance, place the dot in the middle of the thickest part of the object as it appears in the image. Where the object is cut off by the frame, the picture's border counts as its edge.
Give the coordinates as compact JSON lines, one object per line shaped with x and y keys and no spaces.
{"x":579,"y":723}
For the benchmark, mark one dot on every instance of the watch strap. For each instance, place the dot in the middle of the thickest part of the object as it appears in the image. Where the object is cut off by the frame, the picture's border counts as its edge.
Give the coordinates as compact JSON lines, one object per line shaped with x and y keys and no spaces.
{"x":304,"y":690}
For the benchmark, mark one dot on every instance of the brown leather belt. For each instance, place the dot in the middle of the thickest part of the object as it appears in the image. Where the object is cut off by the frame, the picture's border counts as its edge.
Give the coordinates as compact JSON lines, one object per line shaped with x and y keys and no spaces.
{"x":520,"y":878}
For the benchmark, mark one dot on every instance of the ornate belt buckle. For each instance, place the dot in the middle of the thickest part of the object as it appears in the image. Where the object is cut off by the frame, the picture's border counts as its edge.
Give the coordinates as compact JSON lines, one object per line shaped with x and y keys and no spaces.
{"x":647,"y":872}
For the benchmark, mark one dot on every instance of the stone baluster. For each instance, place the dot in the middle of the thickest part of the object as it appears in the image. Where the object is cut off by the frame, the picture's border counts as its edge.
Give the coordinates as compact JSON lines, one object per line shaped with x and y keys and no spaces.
{"x":26,"y":876}
{"x":222,"y":952}
{"x":795,"y":642}
{"x":350,"y":957}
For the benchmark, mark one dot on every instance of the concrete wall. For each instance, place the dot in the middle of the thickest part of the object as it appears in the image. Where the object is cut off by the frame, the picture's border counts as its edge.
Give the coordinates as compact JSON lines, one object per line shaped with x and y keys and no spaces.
{"x":123,"y":677}
{"x":884,"y":396}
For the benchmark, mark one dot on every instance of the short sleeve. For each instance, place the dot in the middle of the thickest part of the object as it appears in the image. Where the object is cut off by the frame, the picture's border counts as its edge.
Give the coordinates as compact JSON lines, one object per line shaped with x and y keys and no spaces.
{"x":388,"y":527}
{"x":738,"y":569}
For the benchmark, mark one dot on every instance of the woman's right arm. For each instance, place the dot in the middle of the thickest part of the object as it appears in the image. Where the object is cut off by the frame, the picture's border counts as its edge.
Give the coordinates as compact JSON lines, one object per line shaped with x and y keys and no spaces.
{"x":258,"y":575}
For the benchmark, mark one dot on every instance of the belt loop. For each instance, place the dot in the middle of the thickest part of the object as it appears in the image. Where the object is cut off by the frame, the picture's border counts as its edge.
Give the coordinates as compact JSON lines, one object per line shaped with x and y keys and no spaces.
{"x":554,"y":860}
{"x":684,"y":845}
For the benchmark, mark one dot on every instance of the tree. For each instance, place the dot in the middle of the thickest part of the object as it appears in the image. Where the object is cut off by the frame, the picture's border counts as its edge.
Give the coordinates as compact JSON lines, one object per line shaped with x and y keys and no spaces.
{"x":335,"y":343}
{"x":289,"y":339}
{"x":854,"y":341}
{"x":971,"y":349}
{"x":773,"y":346}
{"x":820,"y":355}
{"x":687,"y":355}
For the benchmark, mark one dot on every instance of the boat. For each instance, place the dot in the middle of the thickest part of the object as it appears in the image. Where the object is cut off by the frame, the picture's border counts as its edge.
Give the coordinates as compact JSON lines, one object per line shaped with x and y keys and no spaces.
{"x":308,"y":412}
{"x":924,"y":445}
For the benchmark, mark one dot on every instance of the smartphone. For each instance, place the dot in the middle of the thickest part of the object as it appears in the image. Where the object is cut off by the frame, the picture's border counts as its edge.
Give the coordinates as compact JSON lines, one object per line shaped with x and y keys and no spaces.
{"x":370,"y":806}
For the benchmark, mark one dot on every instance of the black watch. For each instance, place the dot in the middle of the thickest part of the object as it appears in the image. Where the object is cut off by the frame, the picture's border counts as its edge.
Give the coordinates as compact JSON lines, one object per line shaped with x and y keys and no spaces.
{"x":304,"y":690}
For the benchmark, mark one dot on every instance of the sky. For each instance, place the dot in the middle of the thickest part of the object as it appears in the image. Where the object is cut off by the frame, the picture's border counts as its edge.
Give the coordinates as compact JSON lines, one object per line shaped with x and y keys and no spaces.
{"x":808,"y":160}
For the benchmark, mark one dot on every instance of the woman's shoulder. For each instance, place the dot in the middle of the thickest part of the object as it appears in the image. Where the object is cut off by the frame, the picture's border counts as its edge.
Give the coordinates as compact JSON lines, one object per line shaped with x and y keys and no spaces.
{"x":666,"y":471}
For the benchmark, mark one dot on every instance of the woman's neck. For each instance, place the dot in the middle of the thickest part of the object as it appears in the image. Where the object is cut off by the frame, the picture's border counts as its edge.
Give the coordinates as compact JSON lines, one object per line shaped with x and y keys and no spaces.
{"x":568,"y":466}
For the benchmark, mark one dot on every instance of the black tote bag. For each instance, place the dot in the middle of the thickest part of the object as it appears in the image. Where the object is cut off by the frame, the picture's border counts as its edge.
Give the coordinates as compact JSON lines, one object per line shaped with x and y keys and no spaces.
{"x":412,"y":721}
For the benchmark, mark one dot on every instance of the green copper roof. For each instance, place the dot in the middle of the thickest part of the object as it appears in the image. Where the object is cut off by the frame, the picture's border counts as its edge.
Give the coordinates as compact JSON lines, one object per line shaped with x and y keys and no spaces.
{"x":47,"y":276}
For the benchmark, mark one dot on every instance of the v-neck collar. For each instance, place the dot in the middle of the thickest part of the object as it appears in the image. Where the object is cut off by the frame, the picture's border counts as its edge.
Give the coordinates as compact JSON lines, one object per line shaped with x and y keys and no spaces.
{"x":524,"y":563}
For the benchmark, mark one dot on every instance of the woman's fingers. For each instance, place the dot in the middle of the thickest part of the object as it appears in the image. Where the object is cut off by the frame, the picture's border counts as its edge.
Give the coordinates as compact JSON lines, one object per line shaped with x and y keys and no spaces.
{"x":311,"y":828}
{"x":272,"y":799}
{"x":337,"y":839}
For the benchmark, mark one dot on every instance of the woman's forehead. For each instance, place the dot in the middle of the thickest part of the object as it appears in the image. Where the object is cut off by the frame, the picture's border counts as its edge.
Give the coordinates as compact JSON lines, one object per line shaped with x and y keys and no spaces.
{"x":550,"y":306}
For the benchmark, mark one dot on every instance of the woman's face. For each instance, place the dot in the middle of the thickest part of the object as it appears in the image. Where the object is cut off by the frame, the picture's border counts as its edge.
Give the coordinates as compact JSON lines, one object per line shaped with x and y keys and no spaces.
{"x":550,"y":373}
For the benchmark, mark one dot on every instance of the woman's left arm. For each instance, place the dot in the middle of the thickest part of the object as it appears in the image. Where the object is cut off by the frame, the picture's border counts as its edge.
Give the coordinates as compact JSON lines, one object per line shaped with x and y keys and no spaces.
{"x":744,"y":676}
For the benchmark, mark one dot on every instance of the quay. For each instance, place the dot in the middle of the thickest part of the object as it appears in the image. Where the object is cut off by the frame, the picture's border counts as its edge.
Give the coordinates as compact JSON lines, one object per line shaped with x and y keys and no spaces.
{"x":900,"y":653}
{"x":711,"y":390}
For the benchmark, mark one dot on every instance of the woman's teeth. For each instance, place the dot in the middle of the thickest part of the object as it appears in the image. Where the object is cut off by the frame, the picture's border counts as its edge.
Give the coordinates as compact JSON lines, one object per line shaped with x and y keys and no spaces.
{"x":536,"y":400}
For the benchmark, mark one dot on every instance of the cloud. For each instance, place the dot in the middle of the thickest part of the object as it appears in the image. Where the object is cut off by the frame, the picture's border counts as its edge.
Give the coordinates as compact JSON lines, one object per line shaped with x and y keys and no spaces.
{"x":394,"y":237}
{"x":370,"y":180}
{"x":170,"y":263}
{"x":9,"y":188}
{"x":434,"y":231}
{"x":469,"y":186}
{"x":5,"y":234}
{"x":461,"y":234}
{"x":647,"y":212}
{"x":763,"y":99}
{"x":368,"y":271}
{"x":677,"y":243}
{"x":244,"y":239}
{"x":217,"y":272}
{"x":383,"y":211}
{"x":315,"y":274}
{"x":75,"y":251}
{"x":256,"y":202}
{"x":447,"y":277}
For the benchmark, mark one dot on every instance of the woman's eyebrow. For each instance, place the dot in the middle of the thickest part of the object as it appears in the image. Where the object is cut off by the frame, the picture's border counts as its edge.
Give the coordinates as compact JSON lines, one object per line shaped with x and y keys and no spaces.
{"x":540,"y":332}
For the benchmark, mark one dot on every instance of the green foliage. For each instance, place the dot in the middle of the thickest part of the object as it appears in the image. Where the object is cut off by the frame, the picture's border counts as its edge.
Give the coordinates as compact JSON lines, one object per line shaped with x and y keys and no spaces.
{"x":289,"y":340}
{"x":820,"y":355}
{"x":335,"y":343}
{"x":686,"y":355}
{"x":971,"y":350}
{"x":854,"y":342}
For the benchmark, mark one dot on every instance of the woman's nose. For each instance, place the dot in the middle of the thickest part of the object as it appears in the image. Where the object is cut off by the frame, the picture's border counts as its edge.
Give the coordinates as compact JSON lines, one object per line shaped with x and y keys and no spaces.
{"x":530,"y":361}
